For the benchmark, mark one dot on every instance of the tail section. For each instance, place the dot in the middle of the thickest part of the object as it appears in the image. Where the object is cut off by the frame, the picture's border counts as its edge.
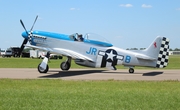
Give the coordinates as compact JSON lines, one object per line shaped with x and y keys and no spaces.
{"x":159,"y":50}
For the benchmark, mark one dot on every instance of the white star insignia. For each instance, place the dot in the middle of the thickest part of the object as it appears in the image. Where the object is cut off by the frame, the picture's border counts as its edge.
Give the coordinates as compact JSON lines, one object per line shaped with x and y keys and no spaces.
{"x":110,"y":55}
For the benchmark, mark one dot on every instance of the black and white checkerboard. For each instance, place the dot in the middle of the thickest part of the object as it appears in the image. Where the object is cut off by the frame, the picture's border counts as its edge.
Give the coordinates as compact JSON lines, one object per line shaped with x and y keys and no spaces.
{"x":163,"y":56}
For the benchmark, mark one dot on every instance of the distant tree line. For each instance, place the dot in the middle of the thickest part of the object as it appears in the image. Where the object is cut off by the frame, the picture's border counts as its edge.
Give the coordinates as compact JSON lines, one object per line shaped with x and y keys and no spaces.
{"x":176,"y":49}
{"x":135,"y":49}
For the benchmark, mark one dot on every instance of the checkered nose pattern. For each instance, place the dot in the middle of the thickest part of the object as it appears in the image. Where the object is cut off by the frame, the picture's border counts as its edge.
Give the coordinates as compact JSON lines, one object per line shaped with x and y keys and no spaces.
{"x":163,"y":56}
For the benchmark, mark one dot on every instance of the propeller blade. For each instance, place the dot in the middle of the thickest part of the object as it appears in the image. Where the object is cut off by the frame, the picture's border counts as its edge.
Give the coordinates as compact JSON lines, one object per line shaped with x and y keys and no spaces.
{"x":23,"y":26}
{"x":34,"y":23}
{"x":29,"y":35}
{"x":22,"y":46}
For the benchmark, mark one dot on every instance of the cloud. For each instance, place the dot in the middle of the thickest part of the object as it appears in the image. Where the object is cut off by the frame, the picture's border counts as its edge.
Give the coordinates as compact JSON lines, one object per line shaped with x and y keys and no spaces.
{"x":74,"y":9}
{"x":126,"y":5}
{"x":146,"y":6}
{"x":178,"y":9}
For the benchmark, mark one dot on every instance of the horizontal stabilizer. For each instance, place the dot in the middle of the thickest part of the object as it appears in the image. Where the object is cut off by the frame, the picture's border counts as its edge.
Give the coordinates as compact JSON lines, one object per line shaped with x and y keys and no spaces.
{"x":143,"y":57}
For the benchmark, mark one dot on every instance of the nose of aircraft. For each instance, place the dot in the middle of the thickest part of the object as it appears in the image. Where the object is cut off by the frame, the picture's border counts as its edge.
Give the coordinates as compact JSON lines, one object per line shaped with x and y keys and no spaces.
{"x":25,"y":35}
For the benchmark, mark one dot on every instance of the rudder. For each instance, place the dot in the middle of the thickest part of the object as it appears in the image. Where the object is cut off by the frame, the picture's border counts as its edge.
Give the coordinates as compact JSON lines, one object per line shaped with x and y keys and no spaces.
{"x":163,"y":57}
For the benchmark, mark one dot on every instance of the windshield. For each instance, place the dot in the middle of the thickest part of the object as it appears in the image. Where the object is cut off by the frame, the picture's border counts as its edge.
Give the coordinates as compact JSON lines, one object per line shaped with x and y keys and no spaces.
{"x":8,"y":51}
{"x":95,"y":37}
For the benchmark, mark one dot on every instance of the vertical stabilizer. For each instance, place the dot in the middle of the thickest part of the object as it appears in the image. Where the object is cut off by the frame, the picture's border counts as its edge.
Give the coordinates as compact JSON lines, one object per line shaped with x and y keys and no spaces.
{"x":159,"y":50}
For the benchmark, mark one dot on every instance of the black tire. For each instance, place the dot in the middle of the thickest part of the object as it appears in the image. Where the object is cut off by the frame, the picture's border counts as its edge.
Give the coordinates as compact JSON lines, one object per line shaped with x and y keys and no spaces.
{"x":131,"y":70}
{"x":41,"y":70}
{"x":65,"y":66}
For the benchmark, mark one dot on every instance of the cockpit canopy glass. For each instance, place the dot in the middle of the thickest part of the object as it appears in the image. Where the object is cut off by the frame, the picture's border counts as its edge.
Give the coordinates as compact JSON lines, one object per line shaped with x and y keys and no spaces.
{"x":96,"y":39}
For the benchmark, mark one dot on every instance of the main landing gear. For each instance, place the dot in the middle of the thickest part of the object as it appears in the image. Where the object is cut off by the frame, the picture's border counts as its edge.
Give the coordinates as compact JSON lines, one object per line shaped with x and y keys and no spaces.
{"x":66,"y":65}
{"x":131,"y":70}
{"x":43,"y":66}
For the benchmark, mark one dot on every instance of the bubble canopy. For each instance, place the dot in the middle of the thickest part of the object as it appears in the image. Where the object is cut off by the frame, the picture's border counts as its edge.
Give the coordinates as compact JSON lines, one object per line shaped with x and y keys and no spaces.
{"x":96,"y":39}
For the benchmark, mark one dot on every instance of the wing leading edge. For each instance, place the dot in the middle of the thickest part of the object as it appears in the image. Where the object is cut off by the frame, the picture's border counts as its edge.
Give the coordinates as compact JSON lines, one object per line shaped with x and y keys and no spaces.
{"x":64,"y":52}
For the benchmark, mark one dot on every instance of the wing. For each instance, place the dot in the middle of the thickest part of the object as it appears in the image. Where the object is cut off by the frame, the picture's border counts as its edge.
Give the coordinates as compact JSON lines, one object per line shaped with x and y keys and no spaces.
{"x":40,"y":48}
{"x":64,"y":52}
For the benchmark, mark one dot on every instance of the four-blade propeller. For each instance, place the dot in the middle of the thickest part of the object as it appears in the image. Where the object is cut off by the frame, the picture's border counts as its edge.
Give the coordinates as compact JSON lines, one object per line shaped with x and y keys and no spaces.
{"x":28,"y":33}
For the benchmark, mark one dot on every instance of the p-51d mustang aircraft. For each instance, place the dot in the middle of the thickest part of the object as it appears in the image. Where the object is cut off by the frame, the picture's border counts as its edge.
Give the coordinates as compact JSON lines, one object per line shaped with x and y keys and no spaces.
{"x":94,"y":53}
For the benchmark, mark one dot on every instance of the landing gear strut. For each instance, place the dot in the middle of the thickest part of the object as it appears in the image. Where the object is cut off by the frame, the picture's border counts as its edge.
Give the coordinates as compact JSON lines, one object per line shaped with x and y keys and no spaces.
{"x":66,"y":65}
{"x":131,"y":70}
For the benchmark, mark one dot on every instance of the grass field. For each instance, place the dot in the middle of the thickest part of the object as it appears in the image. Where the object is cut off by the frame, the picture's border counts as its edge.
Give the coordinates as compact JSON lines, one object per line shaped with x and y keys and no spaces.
{"x":51,"y":94}
{"x":174,"y":63}
{"x":46,"y":94}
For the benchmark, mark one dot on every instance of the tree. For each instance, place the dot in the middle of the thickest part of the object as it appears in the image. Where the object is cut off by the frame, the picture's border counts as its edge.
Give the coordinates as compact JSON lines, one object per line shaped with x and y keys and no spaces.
{"x":176,"y":49}
{"x":134,"y":49}
{"x":142,"y":48}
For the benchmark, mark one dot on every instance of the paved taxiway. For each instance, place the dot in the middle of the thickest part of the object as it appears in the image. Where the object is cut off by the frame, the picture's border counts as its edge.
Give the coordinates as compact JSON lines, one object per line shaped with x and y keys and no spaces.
{"x":90,"y":74}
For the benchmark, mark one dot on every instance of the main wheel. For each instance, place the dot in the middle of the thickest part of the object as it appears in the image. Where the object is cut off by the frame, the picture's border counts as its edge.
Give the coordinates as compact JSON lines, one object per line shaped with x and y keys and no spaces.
{"x":41,"y":70}
{"x":65,"y":66}
{"x":131,"y":70}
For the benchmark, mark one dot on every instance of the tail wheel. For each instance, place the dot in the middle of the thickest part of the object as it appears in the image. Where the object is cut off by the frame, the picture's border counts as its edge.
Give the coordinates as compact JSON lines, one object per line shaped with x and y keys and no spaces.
{"x":41,"y":70}
{"x":65,"y":65}
{"x":131,"y":70}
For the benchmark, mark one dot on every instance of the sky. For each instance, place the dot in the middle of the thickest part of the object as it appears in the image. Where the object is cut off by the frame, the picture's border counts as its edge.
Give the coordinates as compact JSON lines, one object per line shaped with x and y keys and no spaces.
{"x":124,"y":23}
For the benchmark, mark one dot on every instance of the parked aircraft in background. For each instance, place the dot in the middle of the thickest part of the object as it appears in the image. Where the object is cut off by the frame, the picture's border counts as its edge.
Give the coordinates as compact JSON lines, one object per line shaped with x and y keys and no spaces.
{"x":88,"y":51}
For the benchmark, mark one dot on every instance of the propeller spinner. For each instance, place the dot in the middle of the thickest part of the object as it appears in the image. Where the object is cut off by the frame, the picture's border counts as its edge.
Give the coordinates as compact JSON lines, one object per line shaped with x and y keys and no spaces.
{"x":28,"y":33}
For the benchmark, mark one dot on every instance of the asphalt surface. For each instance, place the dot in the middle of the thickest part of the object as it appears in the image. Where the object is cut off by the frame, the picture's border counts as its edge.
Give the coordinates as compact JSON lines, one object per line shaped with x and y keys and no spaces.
{"x":91,"y":74}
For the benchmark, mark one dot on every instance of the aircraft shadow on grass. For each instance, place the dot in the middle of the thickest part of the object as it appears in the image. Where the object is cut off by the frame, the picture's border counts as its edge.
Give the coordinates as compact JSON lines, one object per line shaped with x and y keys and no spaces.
{"x":143,"y":74}
{"x":70,"y":73}
{"x":84,"y":72}
{"x":152,"y":73}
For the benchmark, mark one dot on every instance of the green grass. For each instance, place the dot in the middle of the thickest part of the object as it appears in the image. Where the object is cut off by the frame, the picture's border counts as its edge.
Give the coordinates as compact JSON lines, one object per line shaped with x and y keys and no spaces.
{"x":31,"y":63}
{"x":46,"y":94}
{"x":174,"y":63}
